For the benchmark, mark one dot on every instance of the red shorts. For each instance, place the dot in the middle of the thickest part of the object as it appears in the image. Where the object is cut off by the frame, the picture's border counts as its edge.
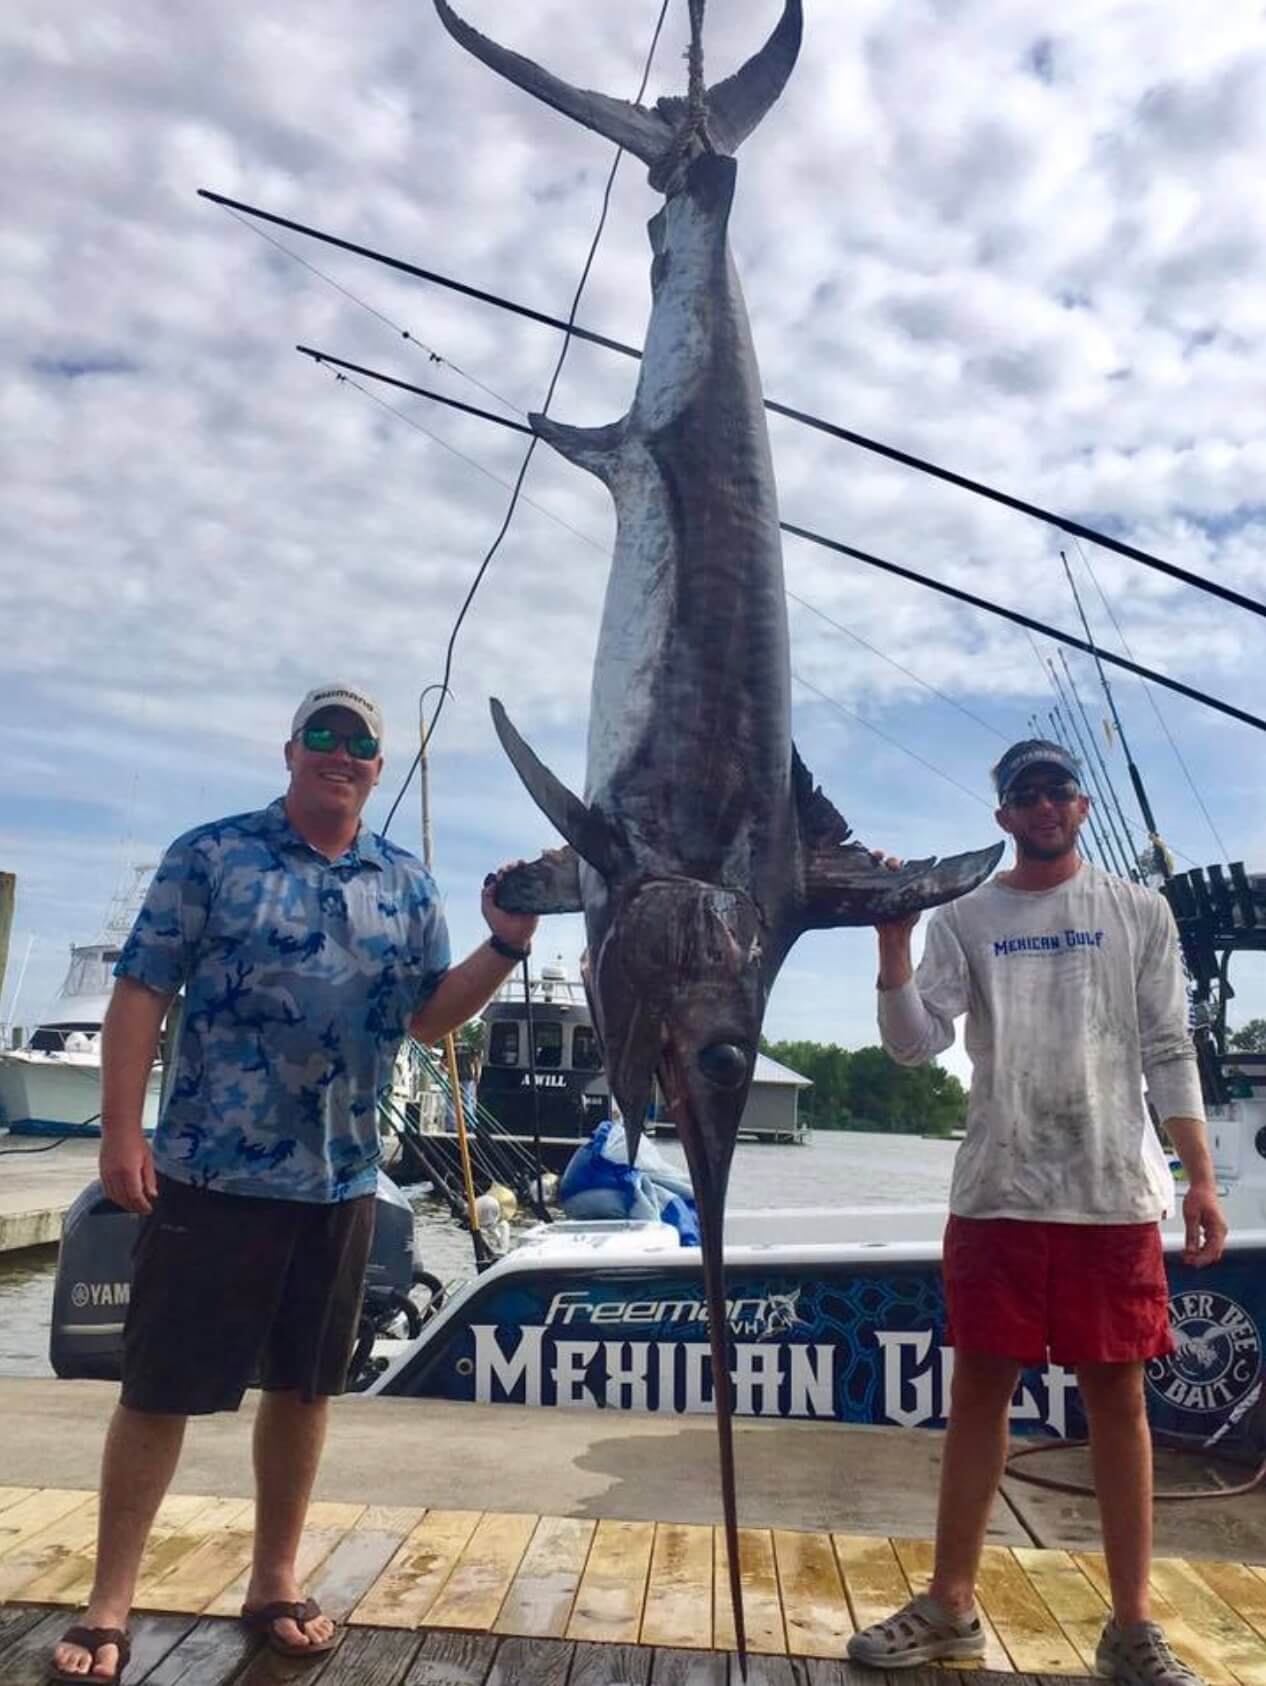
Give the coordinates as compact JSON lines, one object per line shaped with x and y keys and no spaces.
{"x":1085,"y":1293}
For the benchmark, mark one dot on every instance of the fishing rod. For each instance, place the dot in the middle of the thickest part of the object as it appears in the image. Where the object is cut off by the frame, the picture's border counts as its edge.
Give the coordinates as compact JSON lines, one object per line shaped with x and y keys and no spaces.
{"x":1121,"y":845}
{"x":1093,"y":738}
{"x":907,"y":459}
{"x":873,"y":561}
{"x":1159,"y":852}
{"x":1094,"y":822}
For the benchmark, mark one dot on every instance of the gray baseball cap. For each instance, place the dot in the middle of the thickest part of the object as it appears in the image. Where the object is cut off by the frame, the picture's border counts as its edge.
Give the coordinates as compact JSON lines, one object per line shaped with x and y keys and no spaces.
{"x":338,"y":696}
{"x":1033,"y":752}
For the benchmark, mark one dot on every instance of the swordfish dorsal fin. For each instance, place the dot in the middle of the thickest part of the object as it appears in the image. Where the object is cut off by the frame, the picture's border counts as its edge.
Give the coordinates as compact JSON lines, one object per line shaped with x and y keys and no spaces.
{"x":586,"y":831}
{"x":735,"y":106}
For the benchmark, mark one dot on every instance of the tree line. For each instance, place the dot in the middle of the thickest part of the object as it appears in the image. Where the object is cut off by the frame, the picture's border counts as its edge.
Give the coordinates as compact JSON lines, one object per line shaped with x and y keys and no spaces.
{"x":863,"y":1089}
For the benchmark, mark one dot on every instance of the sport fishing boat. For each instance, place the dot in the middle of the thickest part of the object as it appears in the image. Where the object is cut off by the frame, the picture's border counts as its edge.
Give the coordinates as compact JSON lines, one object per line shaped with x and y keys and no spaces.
{"x":834,"y":1313}
{"x":839,"y":1313}
{"x":51,"y":1085}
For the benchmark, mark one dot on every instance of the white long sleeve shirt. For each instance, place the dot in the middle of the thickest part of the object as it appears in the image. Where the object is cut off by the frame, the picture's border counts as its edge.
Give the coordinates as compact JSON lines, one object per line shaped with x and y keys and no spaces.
{"x":1071,"y":995}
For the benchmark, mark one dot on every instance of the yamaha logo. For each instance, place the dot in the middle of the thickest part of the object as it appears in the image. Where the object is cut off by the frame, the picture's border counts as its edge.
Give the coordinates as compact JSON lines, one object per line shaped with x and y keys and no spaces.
{"x":79,"y":1295}
{"x":1218,"y":1358}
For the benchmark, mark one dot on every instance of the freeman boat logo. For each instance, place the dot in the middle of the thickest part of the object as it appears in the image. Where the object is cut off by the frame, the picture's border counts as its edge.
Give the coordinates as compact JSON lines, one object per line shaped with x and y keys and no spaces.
{"x":1219,"y":1356}
{"x":771,"y":1314}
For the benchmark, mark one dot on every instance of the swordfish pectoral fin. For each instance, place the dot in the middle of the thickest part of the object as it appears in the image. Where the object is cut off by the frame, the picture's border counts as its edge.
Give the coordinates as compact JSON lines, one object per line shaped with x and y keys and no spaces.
{"x":586,"y":831}
{"x":849,"y":887}
{"x":549,"y":884}
{"x":643,"y":133}
{"x":594,"y":448}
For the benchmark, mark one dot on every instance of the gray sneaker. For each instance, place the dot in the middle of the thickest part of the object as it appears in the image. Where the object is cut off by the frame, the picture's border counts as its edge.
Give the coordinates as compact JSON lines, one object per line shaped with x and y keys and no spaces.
{"x":922,"y":1631}
{"x":1138,"y":1655}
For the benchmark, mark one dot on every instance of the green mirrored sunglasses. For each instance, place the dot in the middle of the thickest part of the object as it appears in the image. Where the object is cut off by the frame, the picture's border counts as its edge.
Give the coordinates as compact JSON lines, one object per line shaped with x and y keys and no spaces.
{"x":324,"y":740}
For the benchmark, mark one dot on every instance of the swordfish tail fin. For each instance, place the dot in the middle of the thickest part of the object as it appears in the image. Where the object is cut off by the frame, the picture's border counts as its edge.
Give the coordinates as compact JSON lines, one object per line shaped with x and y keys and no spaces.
{"x":594,"y":448}
{"x":735,"y":106}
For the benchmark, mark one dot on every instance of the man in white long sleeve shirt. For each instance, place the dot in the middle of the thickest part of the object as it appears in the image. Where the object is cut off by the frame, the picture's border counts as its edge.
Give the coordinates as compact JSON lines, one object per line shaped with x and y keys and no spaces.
{"x":1073,"y":991}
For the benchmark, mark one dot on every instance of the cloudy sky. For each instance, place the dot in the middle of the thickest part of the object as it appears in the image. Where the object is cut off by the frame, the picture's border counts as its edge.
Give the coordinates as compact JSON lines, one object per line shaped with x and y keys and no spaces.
{"x":1029,"y":250}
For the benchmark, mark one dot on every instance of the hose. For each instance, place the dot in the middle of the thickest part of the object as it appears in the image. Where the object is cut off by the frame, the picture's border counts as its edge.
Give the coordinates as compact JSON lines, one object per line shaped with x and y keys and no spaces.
{"x":1080,"y":1491}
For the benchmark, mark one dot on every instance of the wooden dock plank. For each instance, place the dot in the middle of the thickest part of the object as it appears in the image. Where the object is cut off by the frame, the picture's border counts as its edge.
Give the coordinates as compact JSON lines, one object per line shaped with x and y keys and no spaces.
{"x":370,"y":1659}
{"x":452,"y":1659}
{"x":610,"y":1665}
{"x":1244,"y":1591}
{"x":542,"y":1593}
{"x":326,"y":1525}
{"x":210,"y":1654}
{"x":678,"y":1608}
{"x":1033,"y":1637}
{"x":690,"y":1668}
{"x":1233,"y":1639}
{"x":38,"y":1511}
{"x":349,"y":1571}
{"x":73,"y":1536}
{"x":874,"y":1581}
{"x":531,"y":1662}
{"x":481,"y":1577}
{"x":1073,"y":1601}
{"x":14,"y":1495}
{"x":192,"y":1557}
{"x":1187,"y":1642}
{"x":612,"y":1588}
{"x":916,"y":1559}
{"x":814,"y":1607}
{"x":68,"y":1578}
{"x":762,"y":1607}
{"x":413,"y":1580}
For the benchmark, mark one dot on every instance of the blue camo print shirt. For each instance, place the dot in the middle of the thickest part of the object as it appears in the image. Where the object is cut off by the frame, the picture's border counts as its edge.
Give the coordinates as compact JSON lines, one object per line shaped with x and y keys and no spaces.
{"x":300,"y":977}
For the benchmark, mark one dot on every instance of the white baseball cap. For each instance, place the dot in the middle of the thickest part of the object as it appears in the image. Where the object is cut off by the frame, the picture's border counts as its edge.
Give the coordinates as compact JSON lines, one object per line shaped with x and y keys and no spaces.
{"x":338,"y":696}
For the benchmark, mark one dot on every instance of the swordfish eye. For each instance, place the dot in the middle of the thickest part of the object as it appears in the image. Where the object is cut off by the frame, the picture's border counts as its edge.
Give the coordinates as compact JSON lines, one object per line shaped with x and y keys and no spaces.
{"x":724,"y":1063}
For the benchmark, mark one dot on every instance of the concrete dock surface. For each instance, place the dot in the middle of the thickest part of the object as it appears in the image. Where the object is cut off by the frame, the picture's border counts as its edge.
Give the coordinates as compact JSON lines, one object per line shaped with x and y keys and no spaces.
{"x":38,"y":1183}
{"x":620,"y":1466}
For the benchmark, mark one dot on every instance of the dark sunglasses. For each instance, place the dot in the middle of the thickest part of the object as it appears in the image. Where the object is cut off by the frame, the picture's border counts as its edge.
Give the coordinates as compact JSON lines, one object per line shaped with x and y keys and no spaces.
{"x":1029,"y":795}
{"x":324,"y":740}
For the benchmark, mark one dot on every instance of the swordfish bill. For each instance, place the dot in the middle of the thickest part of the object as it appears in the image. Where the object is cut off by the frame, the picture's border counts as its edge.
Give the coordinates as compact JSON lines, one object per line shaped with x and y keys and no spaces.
{"x":701,"y":849}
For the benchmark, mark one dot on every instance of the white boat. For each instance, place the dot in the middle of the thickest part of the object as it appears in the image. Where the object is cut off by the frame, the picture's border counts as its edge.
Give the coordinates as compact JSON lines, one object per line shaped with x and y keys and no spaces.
{"x":51,"y":1084}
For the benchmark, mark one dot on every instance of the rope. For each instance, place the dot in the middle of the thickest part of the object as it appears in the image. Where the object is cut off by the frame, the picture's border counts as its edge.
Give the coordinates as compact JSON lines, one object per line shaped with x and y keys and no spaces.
{"x":695,"y":127}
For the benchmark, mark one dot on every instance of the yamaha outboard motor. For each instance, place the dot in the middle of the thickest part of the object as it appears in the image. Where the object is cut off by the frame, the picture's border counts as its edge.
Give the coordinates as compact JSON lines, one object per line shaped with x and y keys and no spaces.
{"x":94,"y":1280}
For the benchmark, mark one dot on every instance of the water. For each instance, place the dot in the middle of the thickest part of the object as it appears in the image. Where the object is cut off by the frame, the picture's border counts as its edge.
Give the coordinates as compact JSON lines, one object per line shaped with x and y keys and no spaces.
{"x":841,"y":1169}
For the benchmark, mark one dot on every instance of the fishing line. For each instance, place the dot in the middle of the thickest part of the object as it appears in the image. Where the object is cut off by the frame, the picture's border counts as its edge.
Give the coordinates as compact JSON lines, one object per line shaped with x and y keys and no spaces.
{"x":907,"y":459}
{"x":532,"y":443}
{"x":913,"y":754}
{"x":1223,"y":851}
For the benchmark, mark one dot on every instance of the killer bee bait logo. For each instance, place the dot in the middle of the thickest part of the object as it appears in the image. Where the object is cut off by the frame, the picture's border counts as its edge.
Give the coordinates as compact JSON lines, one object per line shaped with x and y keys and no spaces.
{"x":1219,"y":1356}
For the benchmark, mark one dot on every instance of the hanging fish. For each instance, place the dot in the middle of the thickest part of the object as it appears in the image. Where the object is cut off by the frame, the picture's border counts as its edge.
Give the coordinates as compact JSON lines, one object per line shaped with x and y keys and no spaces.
{"x":702,"y":848}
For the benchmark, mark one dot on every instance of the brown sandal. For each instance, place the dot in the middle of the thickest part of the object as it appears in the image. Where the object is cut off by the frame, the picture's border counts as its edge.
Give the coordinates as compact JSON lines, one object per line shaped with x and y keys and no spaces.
{"x":260,"y":1618}
{"x":95,"y":1639}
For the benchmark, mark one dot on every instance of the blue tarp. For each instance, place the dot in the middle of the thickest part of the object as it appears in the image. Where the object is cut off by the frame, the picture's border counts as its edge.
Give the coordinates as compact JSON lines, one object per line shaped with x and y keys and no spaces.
{"x":598,"y":1183}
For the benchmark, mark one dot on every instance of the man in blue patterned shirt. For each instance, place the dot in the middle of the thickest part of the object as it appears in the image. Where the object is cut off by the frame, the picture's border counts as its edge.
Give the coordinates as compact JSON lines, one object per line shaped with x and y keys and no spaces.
{"x":307,"y":947}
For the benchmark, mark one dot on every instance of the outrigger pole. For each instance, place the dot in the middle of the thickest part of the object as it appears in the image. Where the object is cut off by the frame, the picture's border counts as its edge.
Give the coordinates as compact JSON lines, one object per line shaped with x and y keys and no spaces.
{"x":1087,"y":647}
{"x":1076,"y":529}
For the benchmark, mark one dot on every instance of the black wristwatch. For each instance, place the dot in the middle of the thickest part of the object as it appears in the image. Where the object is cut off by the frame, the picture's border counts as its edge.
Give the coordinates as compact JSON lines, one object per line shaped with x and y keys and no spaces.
{"x":506,"y":950}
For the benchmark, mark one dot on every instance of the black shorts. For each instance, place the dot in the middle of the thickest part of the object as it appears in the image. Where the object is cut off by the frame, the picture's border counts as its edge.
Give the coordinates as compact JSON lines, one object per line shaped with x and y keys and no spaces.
{"x":228,"y":1289}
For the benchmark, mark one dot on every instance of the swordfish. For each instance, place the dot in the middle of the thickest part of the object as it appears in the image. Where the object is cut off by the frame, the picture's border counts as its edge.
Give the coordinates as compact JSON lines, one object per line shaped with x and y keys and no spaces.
{"x":701,"y":848}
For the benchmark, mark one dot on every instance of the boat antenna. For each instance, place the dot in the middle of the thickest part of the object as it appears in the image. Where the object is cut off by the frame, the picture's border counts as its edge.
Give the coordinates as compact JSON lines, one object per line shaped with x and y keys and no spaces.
{"x":1121,"y":843}
{"x":1159,"y":861}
